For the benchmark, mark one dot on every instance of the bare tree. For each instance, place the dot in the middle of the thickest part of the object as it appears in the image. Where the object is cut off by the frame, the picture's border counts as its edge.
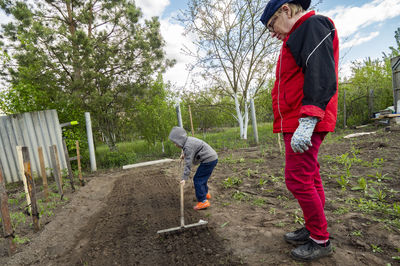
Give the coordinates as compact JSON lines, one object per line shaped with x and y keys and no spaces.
{"x":233,"y":49}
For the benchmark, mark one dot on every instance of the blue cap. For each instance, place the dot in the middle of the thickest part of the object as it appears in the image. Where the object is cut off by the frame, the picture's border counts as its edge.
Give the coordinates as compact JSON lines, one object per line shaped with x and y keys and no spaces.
{"x":274,"y":5}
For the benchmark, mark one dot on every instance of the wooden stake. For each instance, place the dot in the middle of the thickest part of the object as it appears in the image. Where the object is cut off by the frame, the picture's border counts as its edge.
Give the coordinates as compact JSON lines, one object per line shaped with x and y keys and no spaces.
{"x":56,"y":169}
{"x":191,"y":121}
{"x":43,"y":173}
{"x":78,"y":157}
{"x":279,"y":142}
{"x":5,"y":215}
{"x":70,"y":174}
{"x":31,"y":188}
{"x":23,"y":177}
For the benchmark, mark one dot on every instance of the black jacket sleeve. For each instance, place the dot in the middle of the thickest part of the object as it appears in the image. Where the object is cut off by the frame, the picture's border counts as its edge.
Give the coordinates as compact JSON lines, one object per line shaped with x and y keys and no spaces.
{"x":311,"y":45}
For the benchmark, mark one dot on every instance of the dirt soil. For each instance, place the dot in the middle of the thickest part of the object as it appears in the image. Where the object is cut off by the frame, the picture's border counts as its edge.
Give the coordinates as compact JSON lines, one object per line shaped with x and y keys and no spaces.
{"x":114,"y":219}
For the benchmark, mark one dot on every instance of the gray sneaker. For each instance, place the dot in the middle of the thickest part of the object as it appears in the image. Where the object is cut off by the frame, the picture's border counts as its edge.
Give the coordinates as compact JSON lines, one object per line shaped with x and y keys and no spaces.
{"x":298,"y":237}
{"x":311,"y":251}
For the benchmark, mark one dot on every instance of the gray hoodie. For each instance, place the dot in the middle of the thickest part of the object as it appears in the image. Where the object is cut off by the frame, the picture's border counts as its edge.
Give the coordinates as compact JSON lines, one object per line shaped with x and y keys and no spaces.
{"x":195,"y":150}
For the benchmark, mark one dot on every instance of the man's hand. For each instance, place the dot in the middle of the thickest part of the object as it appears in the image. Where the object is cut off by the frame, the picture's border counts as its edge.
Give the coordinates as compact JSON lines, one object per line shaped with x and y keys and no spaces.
{"x":301,"y":138}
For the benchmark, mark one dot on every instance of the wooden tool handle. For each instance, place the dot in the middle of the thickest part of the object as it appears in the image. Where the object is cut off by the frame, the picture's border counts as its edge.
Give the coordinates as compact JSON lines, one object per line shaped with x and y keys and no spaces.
{"x":182,"y":215}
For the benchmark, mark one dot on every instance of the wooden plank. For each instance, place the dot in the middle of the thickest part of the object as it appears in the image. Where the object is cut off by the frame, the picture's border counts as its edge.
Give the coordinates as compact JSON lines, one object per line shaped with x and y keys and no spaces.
{"x":23,"y":177}
{"x":31,"y":188}
{"x":5,"y":215}
{"x":386,"y":116}
{"x":146,"y":163}
{"x":43,"y":173}
{"x":70,"y":174}
{"x":55,"y":163}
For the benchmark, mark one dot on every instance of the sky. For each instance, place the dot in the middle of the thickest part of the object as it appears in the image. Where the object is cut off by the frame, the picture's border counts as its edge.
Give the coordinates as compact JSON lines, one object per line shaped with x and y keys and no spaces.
{"x":366,"y":29}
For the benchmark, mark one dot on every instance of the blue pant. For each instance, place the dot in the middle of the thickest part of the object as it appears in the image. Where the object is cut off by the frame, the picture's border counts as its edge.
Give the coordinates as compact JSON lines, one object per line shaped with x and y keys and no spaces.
{"x":201,"y":177}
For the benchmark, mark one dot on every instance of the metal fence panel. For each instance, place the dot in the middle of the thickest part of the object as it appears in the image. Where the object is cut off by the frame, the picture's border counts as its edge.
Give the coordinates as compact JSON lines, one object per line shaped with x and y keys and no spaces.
{"x":32,"y":130}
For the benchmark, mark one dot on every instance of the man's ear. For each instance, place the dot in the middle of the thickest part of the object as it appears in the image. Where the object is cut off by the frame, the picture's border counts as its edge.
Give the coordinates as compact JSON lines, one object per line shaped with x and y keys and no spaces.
{"x":286,"y":9}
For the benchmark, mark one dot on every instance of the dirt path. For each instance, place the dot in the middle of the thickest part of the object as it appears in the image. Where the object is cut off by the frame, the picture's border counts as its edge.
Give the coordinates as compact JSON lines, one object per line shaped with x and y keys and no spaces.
{"x":113,"y":220}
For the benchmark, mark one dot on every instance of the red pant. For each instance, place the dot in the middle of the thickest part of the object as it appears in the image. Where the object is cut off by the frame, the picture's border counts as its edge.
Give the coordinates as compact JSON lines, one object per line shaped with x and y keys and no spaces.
{"x":304,"y":181}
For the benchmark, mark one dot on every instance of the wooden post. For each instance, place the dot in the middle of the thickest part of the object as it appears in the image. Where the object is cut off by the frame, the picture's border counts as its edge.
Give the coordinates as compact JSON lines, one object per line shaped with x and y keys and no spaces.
{"x":78,"y":157}
{"x":344,"y":110}
{"x":43,"y":173}
{"x":5,"y":215}
{"x":70,"y":174}
{"x":31,"y":188}
{"x":279,"y":142}
{"x":23,"y":177}
{"x":254,"y":120}
{"x":56,"y":169}
{"x":191,"y":121}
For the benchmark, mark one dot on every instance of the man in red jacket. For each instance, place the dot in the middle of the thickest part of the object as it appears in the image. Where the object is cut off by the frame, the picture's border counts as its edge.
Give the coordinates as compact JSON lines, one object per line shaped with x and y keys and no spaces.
{"x":304,"y":100}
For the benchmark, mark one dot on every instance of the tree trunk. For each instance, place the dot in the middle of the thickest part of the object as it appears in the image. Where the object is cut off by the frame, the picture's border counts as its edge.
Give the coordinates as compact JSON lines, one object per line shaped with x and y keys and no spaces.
{"x":243,"y":120}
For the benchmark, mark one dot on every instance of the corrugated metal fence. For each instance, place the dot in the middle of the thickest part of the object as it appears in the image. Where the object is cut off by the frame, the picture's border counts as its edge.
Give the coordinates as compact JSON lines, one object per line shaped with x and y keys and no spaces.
{"x":31,"y":130}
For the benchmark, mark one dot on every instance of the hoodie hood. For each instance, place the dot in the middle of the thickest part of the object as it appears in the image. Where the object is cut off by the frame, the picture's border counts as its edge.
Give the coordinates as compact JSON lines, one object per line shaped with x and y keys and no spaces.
{"x":178,"y":136}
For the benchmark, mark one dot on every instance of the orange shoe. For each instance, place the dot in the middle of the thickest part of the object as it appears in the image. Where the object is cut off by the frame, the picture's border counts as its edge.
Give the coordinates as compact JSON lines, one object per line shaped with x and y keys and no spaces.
{"x":208,"y":196}
{"x":202,"y":205}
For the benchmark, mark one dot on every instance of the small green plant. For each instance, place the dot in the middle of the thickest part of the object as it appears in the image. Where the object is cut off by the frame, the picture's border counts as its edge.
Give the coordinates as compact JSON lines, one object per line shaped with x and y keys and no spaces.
{"x":376,"y":248}
{"x":232,"y":182}
{"x":240,"y":196}
{"x":343,"y":181}
{"x":362,"y":185}
{"x":378,"y":194}
{"x":272,"y":211}
{"x":262,"y":182}
{"x":277,"y":178}
{"x":356,"y":233}
{"x":280,"y":224}
{"x":249,"y":172}
{"x":17,"y":218}
{"x":298,"y":219}
{"x":13,"y":202}
{"x":224,"y":224}
{"x":282,"y":198}
{"x":20,"y":240}
{"x":341,"y":211}
{"x":259,"y":202}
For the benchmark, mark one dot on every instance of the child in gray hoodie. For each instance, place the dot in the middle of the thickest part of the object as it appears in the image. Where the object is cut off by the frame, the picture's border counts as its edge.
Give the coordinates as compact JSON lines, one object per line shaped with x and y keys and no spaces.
{"x":196,"y":151}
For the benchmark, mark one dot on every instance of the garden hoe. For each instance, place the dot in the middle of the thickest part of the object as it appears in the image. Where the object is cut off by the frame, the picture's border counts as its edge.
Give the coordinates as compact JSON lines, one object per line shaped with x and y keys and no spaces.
{"x":183,"y":226}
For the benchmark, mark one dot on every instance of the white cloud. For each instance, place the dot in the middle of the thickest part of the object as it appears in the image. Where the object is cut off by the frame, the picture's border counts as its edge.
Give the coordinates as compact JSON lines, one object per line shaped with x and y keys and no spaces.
{"x":152,"y":8}
{"x":175,"y":39}
{"x":358,"y":39}
{"x":350,"y":20}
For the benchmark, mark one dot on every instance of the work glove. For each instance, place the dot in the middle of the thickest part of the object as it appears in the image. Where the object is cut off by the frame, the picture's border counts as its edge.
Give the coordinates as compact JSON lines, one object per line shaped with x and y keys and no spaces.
{"x":301,"y":138}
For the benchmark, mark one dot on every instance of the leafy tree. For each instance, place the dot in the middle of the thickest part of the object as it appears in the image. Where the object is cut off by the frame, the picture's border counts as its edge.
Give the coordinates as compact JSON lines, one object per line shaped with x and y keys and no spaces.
{"x":209,"y":109}
{"x":155,"y":114}
{"x":233,"y":50}
{"x":76,"y":55}
{"x":368,"y":90}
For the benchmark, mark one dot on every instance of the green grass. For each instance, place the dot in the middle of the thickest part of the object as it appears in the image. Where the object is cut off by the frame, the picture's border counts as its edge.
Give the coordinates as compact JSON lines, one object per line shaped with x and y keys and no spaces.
{"x":139,"y":150}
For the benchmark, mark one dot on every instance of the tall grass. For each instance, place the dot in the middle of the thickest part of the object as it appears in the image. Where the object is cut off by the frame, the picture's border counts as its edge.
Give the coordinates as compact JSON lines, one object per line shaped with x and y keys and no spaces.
{"x":139,"y":150}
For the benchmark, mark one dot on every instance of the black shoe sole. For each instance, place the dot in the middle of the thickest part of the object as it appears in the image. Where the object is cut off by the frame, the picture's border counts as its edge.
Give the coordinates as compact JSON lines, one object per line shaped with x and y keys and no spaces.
{"x":313,"y":259}
{"x":296,"y":242}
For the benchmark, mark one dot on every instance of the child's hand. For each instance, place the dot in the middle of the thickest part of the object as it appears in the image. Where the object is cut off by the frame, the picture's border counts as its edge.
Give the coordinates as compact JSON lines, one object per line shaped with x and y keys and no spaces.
{"x":183,"y":182}
{"x":182,"y":156}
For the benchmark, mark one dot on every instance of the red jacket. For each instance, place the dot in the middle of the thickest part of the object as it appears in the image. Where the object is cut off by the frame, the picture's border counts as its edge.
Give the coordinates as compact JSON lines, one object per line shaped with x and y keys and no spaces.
{"x":307,"y":75}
